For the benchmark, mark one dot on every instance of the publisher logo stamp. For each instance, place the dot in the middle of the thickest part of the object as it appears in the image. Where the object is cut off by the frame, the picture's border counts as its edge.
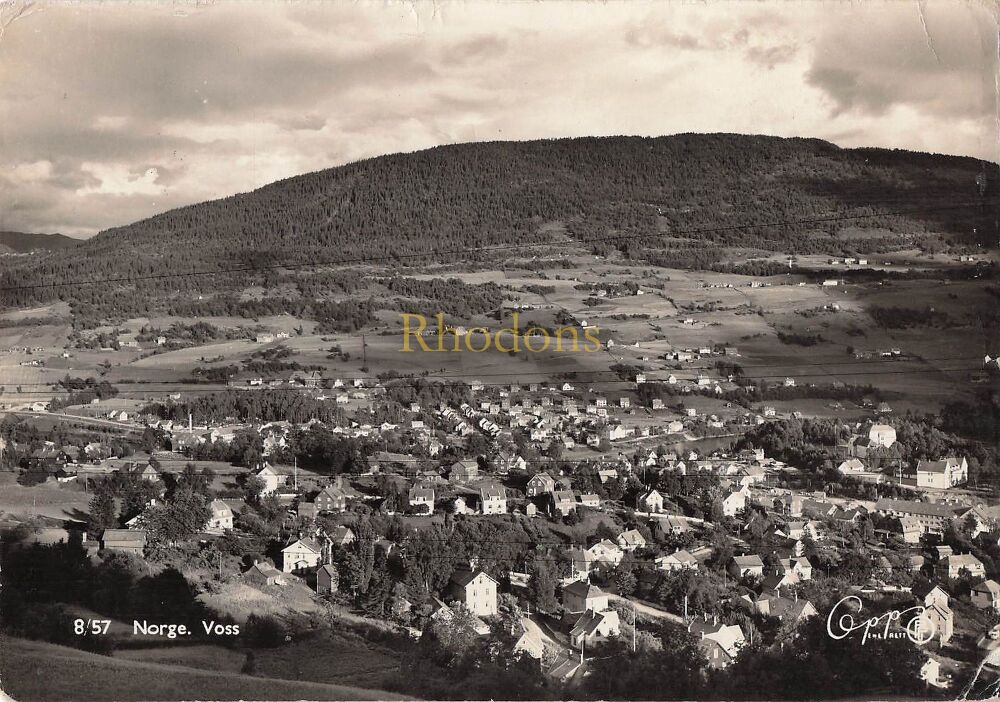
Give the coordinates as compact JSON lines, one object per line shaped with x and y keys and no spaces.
{"x":846,"y":618}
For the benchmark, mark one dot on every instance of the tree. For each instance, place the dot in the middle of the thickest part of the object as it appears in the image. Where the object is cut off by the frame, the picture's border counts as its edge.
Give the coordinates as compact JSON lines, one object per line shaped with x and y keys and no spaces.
{"x":672,"y":672}
{"x":555,"y":449}
{"x":179,"y":518}
{"x":604,"y":532}
{"x":626,"y":582}
{"x":102,"y":511}
{"x":252,"y":488}
{"x":814,"y":668}
{"x":716,"y":512}
{"x":543,"y":587}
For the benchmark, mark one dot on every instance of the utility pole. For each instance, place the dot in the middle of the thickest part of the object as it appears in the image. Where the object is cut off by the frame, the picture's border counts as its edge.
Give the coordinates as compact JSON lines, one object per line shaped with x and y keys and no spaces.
{"x":295,"y":472}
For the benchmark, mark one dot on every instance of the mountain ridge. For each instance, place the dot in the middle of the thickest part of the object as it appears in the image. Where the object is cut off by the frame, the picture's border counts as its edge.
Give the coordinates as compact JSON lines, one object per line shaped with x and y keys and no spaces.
{"x":501,"y":194}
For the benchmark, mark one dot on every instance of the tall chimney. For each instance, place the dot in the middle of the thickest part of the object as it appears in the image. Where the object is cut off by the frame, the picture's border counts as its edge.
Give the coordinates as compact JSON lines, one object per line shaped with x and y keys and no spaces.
{"x":190,"y":422}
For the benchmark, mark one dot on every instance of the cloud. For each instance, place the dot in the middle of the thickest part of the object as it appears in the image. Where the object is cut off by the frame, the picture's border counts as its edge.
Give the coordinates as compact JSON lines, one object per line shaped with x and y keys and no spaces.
{"x":771,"y":56}
{"x":941,"y":60}
{"x":111,"y":113}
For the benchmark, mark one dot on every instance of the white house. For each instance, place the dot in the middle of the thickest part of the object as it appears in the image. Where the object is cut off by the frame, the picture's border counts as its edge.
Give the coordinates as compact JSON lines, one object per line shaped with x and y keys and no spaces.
{"x":493,"y":499}
{"x":942,"y":474}
{"x":300,"y":555}
{"x":652,"y":501}
{"x":222,"y":517}
{"x":271,"y":478}
{"x":881,"y":435}
{"x":734,"y":503}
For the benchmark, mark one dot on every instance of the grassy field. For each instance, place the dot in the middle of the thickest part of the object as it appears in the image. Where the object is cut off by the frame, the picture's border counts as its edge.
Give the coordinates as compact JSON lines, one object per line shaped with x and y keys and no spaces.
{"x":44,"y":500}
{"x":239,"y":600}
{"x":336,"y":659}
{"x":26,"y":674}
{"x":206,"y":657}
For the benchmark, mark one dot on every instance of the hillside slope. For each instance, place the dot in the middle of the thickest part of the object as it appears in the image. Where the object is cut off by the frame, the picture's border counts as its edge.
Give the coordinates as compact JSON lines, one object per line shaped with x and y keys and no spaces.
{"x":25,"y":675}
{"x":503,"y":193}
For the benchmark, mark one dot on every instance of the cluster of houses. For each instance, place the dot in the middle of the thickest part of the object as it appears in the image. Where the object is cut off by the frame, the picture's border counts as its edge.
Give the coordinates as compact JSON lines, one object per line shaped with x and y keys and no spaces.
{"x":942,"y":474}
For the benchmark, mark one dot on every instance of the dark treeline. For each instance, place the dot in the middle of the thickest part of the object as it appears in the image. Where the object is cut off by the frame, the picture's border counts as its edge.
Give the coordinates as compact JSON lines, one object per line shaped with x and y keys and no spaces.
{"x":82,"y":391}
{"x":451,"y":296}
{"x":245,"y":405}
{"x":762,"y":391}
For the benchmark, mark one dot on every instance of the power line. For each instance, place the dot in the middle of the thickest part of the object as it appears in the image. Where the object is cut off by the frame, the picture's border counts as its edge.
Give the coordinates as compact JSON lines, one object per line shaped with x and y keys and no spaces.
{"x":497,"y":247}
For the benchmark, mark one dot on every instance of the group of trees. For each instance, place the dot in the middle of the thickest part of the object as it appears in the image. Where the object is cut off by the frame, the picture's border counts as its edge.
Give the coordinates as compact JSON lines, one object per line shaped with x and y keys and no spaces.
{"x":269,"y":405}
{"x":182,"y":513}
{"x":82,"y":391}
{"x":451,"y":296}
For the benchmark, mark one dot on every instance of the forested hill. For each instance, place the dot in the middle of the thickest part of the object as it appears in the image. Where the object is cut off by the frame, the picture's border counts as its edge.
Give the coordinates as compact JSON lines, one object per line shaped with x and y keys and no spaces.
{"x":23,"y":242}
{"x":503,"y":193}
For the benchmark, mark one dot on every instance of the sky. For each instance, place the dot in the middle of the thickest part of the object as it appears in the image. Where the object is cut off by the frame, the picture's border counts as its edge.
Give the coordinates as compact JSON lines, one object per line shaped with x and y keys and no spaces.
{"x":112,"y":112}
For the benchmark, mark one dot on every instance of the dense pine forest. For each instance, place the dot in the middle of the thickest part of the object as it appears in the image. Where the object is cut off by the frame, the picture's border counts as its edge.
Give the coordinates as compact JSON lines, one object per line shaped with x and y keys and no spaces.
{"x":650,"y":198}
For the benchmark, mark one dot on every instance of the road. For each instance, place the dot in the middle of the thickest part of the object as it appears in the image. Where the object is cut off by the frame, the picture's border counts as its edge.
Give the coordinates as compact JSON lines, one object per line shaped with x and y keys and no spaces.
{"x":664,"y":515}
{"x":648,"y":610}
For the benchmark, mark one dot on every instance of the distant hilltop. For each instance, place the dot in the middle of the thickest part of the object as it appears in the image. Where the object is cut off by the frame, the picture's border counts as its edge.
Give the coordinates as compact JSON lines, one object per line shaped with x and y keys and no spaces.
{"x":25,"y":242}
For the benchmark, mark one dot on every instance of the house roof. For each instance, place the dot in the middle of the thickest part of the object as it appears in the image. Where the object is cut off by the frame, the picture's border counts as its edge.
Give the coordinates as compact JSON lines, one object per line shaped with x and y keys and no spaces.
{"x":340,"y":533}
{"x":963,"y":560}
{"x":265,"y":569}
{"x":773,"y":582}
{"x":582,"y":589}
{"x":220,"y":508}
{"x":590,"y":620}
{"x":492,"y":492}
{"x":309,"y":543}
{"x":785,"y":607}
{"x":682,"y":556}
{"x":921,"y":589}
{"x":632,"y":537}
{"x":728,"y":637}
{"x":990,"y":586}
{"x":751,"y":561}
{"x":906,"y":506}
{"x":464,"y":576}
{"x":942,"y":466}
{"x":334,"y":492}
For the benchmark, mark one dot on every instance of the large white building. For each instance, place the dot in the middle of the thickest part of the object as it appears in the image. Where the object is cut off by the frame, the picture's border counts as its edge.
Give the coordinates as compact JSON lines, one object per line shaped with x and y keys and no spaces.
{"x":882,"y":435}
{"x":943,"y":474}
{"x":476,"y":590}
